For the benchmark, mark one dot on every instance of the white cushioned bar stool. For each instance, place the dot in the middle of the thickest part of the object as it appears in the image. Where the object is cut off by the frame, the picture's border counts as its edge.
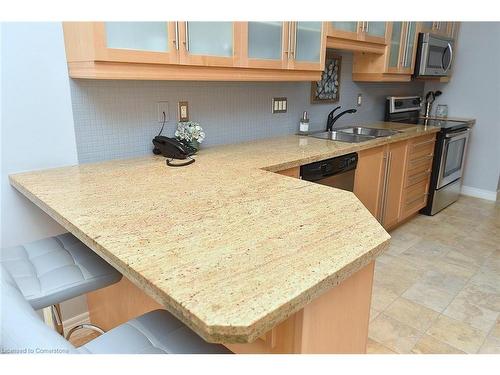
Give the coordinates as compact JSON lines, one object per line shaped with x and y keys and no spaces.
{"x":55,"y":269}
{"x":157,"y":332}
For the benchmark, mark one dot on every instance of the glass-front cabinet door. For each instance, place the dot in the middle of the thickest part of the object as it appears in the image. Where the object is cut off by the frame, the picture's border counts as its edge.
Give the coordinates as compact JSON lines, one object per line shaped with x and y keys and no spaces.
{"x":403,"y":41}
{"x":375,"y":31}
{"x":307,"y":45}
{"x":410,"y":42}
{"x":345,"y":30}
{"x":395,"y":46}
{"x":266,"y":44}
{"x":147,"y":42}
{"x":208,"y":43}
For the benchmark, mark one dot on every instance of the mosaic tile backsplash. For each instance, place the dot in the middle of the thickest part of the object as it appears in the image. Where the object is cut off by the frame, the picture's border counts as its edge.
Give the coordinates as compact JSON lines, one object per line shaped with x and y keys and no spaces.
{"x":118,"y":119}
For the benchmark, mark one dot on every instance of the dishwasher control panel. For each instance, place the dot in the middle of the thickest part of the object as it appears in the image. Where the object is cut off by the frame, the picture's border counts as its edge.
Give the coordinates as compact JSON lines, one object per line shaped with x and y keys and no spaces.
{"x":329,"y":167}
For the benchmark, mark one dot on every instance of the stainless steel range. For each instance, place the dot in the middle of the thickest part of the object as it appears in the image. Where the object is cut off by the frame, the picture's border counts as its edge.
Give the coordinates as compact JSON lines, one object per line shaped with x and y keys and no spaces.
{"x":449,"y":152}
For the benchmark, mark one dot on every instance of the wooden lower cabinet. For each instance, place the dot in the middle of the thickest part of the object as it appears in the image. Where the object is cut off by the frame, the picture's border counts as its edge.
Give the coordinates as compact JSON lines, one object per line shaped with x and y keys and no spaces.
{"x":392,"y":181}
{"x":335,"y":322}
{"x":116,"y":304}
{"x":369,"y":179}
{"x":396,"y":163}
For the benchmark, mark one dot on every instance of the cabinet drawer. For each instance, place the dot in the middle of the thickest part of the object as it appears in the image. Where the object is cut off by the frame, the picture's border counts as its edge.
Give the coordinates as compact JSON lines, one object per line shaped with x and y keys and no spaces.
{"x":418,"y":173}
{"x":414,"y":198}
{"x":422,"y":161}
{"x":421,"y":147}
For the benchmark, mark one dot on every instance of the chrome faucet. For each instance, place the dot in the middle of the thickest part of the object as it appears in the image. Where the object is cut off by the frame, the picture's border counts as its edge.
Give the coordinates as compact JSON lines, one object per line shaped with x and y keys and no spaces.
{"x":331,"y":120}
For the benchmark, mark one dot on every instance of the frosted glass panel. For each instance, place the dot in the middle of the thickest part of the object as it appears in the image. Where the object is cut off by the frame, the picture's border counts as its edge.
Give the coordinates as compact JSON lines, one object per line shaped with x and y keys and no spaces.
{"x":427,"y":25}
{"x":376,"y":28}
{"x":443,"y":26}
{"x":144,"y":36}
{"x":210,"y":38}
{"x":346,"y":26}
{"x":395,"y":44}
{"x":411,"y":44}
{"x":308,"y":41}
{"x":264,"y":40}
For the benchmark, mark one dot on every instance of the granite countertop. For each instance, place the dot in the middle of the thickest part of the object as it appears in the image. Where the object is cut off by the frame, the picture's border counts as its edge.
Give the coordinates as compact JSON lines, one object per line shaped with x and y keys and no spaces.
{"x":228,"y":247}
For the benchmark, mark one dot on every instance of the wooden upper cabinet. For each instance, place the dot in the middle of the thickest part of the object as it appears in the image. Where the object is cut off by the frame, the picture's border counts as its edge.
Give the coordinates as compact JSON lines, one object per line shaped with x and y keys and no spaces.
{"x":307,"y":45}
{"x":365,"y":36}
{"x":397,"y":62}
{"x":209,"y":43}
{"x":134,"y":42}
{"x":346,"y":30}
{"x":283,"y":45}
{"x":275,"y":51}
{"x":373,"y":32}
{"x":444,"y":28}
{"x":402,"y":47}
{"x":264,"y":44}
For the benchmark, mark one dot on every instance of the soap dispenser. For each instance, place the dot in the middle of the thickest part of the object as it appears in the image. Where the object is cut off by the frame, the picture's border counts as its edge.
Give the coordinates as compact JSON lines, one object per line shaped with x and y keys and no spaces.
{"x":304,"y":123}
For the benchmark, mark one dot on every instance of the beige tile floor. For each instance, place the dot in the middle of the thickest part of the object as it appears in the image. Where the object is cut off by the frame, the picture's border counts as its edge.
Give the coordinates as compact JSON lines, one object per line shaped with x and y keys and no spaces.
{"x":437,"y":288}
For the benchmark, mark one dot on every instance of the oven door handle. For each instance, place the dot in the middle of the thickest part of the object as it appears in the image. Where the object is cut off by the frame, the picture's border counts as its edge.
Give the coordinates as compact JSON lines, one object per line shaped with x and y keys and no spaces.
{"x":461,"y":134}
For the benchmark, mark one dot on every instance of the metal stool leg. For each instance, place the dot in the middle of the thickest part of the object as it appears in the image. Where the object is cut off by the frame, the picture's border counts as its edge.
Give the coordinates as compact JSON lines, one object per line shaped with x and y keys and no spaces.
{"x":58,"y":325}
{"x":82,"y":326}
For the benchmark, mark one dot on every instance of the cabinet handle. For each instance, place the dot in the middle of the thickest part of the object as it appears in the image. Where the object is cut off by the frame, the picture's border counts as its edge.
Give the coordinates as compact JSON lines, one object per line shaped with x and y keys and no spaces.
{"x":290,"y":39}
{"x":176,"y":36}
{"x":403,"y":58}
{"x":386,"y":184}
{"x":407,"y":46}
{"x":186,"y":42}
{"x":381,"y":198}
{"x":384,"y":188}
{"x":366,"y":26}
{"x":294,"y":44}
{"x":286,"y":45}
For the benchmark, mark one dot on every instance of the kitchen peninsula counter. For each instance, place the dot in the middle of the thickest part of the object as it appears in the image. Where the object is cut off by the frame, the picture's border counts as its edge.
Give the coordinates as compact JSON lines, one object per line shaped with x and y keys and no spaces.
{"x":228,"y":247}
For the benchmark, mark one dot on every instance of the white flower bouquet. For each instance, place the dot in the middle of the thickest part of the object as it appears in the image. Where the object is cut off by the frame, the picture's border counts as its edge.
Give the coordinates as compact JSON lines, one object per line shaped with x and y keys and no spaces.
{"x":190,"y":132}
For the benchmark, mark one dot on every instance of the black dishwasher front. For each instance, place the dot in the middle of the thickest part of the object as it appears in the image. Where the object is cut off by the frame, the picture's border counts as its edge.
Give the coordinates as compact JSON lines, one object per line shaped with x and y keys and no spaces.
{"x":336,"y":172}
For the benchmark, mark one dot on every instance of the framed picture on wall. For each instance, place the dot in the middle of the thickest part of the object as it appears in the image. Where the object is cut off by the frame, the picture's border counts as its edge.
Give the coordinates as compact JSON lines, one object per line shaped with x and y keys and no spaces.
{"x":327,"y":90}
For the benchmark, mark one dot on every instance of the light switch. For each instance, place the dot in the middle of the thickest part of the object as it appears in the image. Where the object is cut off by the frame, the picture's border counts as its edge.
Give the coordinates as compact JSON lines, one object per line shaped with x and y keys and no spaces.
{"x":279,"y":105}
{"x":183,"y":112}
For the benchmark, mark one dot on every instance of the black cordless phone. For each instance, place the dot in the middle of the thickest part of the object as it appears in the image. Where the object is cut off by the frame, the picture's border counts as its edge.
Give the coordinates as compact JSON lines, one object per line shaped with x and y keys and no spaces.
{"x":172,"y":148}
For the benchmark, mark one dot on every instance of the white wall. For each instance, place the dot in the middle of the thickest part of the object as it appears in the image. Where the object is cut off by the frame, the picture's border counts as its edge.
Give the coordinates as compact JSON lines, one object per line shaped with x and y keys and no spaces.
{"x":37,"y":121}
{"x":474,"y":92}
{"x":37,"y":125}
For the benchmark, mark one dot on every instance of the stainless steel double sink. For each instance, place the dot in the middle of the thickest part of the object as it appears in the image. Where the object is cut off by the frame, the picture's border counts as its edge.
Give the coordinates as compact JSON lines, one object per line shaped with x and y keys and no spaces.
{"x":354,"y":134}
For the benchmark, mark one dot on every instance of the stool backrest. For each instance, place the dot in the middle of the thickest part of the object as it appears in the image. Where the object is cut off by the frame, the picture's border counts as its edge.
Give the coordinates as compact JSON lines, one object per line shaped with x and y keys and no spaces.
{"x":21,"y":329}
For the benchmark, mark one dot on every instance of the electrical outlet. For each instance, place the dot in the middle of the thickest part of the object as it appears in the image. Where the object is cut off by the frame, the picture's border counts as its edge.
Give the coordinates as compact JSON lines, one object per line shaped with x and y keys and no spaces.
{"x":162,"y":107}
{"x":183,"y":111}
{"x":279,"y":105}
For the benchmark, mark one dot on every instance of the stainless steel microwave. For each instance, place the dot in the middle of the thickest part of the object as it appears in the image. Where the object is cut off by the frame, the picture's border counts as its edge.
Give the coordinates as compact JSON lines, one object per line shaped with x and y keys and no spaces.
{"x":434,"y":55}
